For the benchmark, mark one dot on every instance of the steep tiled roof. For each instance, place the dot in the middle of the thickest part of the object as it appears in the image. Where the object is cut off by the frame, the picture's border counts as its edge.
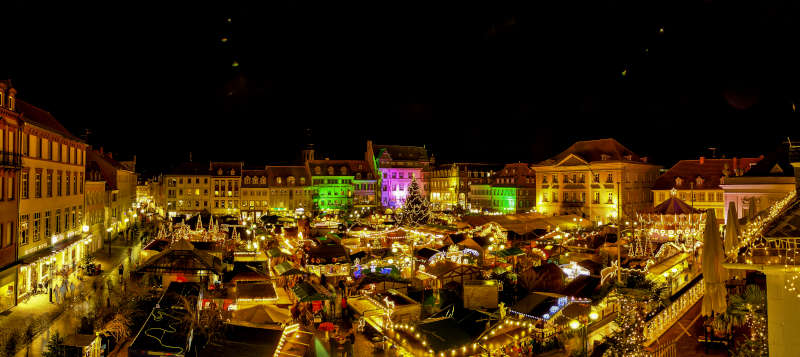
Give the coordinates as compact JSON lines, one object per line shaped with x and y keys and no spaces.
{"x":711,"y":171}
{"x":594,"y":150}
{"x":108,"y":167}
{"x":226,"y":168}
{"x":403,"y":153}
{"x":353,"y":167}
{"x":43,"y":118}
{"x":775,"y":164}
{"x":284,"y":172}
{"x":254,"y":174}
{"x":190,"y":168}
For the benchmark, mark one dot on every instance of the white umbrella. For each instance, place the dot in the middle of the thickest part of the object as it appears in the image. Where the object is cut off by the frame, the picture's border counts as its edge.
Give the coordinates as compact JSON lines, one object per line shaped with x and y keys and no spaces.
{"x":731,"y":228}
{"x":714,"y":275}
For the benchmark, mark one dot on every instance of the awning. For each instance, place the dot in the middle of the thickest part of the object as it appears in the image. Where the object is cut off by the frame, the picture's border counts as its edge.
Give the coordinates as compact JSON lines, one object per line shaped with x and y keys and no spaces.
{"x":48,"y":251}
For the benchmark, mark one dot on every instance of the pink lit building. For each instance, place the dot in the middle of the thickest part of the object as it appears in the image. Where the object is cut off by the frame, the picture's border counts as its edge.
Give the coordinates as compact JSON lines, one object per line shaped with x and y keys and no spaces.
{"x":397,"y":166}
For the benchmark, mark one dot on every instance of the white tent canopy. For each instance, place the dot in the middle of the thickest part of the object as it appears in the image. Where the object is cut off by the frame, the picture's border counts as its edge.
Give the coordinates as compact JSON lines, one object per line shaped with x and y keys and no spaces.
{"x":714,"y":275}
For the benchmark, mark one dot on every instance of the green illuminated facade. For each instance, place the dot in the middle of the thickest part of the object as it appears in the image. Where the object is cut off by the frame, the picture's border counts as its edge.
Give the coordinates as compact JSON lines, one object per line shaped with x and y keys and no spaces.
{"x":504,"y":199}
{"x":333,"y":192}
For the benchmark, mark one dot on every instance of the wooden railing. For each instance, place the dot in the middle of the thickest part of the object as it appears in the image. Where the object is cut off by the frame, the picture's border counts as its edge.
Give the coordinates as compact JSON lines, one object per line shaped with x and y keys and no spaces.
{"x":661,"y":322}
{"x":665,"y":350}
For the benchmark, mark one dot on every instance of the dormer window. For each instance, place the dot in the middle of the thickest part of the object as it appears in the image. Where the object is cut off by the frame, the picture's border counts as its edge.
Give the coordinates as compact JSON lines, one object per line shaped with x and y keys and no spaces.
{"x":302,"y":180}
{"x":290,"y":180}
{"x":678,"y":181}
{"x":263,"y":180}
{"x":629,"y":157}
{"x":330,"y":170}
{"x":317,"y":170}
{"x":699,"y":180}
{"x":358,"y":175}
{"x":233,"y":172}
{"x":219,"y":172}
{"x":604,"y":157}
{"x":11,"y":102}
{"x":343,"y":170}
{"x":2,"y":98}
{"x":247,"y":180}
{"x":278,"y":180}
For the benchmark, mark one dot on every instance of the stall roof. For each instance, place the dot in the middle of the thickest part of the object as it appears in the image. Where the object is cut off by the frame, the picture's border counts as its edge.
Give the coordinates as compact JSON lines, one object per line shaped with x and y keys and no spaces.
{"x":256,"y":291}
{"x":443,"y":334}
{"x":309,"y":292}
{"x":509,"y":252}
{"x":182,"y":257}
{"x":426,"y":253}
{"x":287,"y":268}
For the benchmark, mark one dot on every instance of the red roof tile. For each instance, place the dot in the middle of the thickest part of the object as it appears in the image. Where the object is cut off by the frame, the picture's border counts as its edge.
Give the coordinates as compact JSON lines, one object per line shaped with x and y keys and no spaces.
{"x":710,"y":170}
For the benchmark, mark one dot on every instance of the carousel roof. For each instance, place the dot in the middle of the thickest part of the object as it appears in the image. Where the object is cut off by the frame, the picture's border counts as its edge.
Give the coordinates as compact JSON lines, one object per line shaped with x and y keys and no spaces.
{"x":674,"y":205}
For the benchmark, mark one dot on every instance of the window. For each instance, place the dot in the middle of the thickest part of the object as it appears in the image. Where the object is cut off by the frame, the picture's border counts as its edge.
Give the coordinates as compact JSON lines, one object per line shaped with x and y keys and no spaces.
{"x":555,"y":178}
{"x":610,"y":178}
{"x":66,"y":218}
{"x":566,"y":197}
{"x":555,"y":196}
{"x":24,"y":187}
{"x":67,"y":174}
{"x":49,"y":183}
{"x":37,"y":183}
{"x":610,"y":197}
{"x":36,"y":217}
{"x":394,"y":175}
{"x":720,"y":197}
{"x":544,"y":179}
{"x":596,"y":178}
{"x":58,"y":221}
{"x":23,"y":229}
{"x":58,"y":183}
{"x":47,"y":224}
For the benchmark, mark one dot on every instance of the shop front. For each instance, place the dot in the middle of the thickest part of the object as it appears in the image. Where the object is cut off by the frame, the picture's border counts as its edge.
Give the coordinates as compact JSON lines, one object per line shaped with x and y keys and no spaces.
{"x":37,"y":271}
{"x":8,"y":279}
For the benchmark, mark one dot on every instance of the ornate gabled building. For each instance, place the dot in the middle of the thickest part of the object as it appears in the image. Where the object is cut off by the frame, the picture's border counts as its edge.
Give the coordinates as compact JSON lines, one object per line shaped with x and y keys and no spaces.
{"x":397,"y":165}
{"x":697,"y":182}
{"x":591,"y":178}
{"x":226,"y":178}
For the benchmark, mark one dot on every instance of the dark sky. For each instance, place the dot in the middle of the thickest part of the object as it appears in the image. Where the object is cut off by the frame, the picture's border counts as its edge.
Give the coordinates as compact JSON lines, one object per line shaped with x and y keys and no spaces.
{"x":480,"y":82}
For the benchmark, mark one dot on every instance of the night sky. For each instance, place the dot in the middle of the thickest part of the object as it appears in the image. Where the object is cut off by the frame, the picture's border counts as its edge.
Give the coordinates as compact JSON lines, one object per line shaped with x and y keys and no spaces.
{"x":473,"y":82}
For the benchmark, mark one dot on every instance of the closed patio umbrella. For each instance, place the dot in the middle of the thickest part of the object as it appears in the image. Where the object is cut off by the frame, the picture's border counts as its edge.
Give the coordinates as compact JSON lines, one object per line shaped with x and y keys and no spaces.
{"x":714,"y":275}
{"x":731,"y":229}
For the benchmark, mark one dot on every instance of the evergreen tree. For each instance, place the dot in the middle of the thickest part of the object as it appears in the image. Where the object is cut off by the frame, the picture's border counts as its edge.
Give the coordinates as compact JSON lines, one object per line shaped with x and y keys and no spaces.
{"x":417,"y":210}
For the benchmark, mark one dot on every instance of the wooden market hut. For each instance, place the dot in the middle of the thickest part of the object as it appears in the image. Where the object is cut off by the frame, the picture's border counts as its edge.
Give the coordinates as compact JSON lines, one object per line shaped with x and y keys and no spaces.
{"x":182,"y":262}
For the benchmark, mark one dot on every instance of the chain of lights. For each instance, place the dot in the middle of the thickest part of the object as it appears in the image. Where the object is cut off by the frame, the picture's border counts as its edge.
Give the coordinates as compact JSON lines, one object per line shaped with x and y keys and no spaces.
{"x":628,"y":340}
{"x":661,"y":322}
{"x":750,"y":236}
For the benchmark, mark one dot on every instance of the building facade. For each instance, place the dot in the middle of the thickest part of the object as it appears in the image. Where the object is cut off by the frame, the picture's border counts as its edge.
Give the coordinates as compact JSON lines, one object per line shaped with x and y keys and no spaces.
{"x":10,"y":165}
{"x":511,"y":190}
{"x":594,"y":179}
{"x":290,"y":190}
{"x":184,"y":190}
{"x":697,"y":182}
{"x":226,"y":178}
{"x":765,"y":183}
{"x":450,"y":184}
{"x":396,"y":166}
{"x":51,"y":194}
{"x":333,"y":183}
{"x":255,"y":194}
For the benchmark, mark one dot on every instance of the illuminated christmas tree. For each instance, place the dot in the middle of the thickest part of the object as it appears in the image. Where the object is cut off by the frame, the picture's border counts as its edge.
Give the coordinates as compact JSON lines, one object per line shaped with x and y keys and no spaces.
{"x":629,"y":339}
{"x":416,"y":210}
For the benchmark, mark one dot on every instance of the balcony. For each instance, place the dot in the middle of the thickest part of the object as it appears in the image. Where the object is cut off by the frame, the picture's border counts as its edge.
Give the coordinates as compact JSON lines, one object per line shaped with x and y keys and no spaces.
{"x":574,"y":204}
{"x":10,"y":159}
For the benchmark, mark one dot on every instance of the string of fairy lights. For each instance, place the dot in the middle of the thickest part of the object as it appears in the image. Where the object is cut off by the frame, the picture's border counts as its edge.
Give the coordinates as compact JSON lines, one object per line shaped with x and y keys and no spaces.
{"x":751,"y":239}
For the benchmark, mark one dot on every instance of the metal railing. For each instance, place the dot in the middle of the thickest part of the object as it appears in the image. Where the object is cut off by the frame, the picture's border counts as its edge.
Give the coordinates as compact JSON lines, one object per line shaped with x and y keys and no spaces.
{"x":661,"y":322}
{"x":11,"y":159}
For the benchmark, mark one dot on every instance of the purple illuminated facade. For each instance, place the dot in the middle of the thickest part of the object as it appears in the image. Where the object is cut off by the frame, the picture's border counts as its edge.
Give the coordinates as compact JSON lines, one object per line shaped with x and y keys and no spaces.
{"x":398,"y":165}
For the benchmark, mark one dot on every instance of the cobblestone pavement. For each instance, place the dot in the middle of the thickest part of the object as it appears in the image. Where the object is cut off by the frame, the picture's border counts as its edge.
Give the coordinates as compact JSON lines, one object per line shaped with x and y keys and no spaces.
{"x":687,"y":344}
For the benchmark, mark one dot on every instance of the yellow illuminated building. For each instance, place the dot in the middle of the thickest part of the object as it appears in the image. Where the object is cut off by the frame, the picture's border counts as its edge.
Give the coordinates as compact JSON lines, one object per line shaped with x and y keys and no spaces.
{"x":591,"y":178}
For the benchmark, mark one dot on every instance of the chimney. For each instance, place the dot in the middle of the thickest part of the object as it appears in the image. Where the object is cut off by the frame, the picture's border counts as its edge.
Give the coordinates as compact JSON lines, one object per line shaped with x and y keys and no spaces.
{"x":110,"y":156}
{"x":702,"y":160}
{"x":736,"y":171}
{"x":101,"y":150}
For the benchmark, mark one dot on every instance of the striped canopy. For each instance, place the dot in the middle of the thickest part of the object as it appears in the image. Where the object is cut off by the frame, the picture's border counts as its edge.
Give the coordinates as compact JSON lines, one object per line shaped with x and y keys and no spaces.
{"x":674,"y":205}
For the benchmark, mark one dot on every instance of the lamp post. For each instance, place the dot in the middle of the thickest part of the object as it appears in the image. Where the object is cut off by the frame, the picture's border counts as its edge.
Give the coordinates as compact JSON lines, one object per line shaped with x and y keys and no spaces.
{"x":108,"y":230}
{"x":581,"y":325}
